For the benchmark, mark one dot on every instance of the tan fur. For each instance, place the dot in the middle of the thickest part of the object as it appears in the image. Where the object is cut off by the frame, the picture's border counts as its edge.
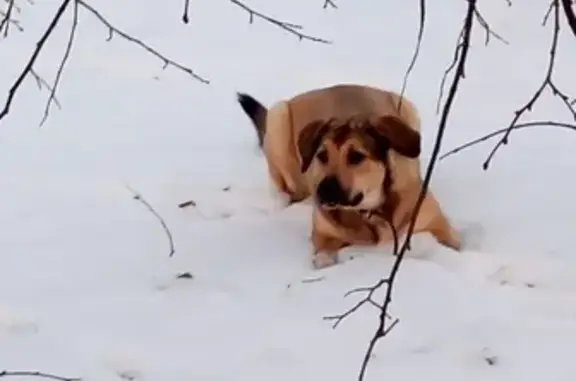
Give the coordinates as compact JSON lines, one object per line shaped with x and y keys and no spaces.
{"x":286,"y":123}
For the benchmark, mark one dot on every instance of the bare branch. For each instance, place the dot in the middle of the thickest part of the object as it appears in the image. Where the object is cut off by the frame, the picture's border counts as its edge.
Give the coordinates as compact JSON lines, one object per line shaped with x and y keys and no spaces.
{"x":448,"y":71}
{"x":569,"y":13}
{"x":287,"y":26}
{"x":186,"y":13}
{"x":7,"y":18}
{"x":489,"y":31}
{"x":329,"y":3}
{"x":54,"y":88}
{"x":383,"y":328}
{"x":29,"y":66}
{"x":548,"y":13}
{"x":519,"y":126}
{"x":115,"y":31}
{"x":138,"y":197}
{"x":368,"y":299}
{"x":112,"y":30}
{"x":416,"y":49}
{"x":42,"y":83}
{"x":547,"y":83}
{"x":6,"y":373}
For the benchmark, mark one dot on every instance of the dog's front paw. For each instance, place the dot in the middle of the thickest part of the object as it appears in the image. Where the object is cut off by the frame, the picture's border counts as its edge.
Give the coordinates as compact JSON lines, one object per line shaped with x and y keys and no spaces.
{"x":322,"y":260}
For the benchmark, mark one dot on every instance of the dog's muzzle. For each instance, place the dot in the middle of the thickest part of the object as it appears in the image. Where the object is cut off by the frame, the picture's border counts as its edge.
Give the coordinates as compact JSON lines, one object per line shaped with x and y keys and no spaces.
{"x":331,"y":193}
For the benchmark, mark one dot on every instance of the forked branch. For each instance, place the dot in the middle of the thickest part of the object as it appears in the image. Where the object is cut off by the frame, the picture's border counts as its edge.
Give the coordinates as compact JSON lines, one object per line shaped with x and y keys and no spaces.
{"x":28,"y":69}
{"x":384,"y":327}
{"x":488,"y":32}
{"x":547,"y":83}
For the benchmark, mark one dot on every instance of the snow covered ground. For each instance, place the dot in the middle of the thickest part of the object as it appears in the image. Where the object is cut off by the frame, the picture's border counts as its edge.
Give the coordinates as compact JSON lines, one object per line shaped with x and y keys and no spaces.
{"x":86,"y":285}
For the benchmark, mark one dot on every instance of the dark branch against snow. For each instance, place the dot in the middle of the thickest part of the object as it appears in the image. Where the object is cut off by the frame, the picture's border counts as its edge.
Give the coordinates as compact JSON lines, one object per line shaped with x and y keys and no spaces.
{"x":518,"y":126}
{"x":329,"y":3}
{"x":28,"y":69}
{"x":383,"y":327}
{"x":54,"y":87}
{"x":186,"y":12}
{"x":420,"y":37}
{"x":113,"y":30}
{"x":547,"y":83}
{"x":35,"y":54}
{"x":19,"y":373}
{"x":488,"y":31}
{"x":6,"y":20}
{"x":568,"y":7}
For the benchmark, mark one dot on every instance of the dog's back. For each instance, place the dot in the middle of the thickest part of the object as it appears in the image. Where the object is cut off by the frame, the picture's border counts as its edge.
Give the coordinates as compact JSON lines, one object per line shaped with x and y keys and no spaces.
{"x":347,"y":100}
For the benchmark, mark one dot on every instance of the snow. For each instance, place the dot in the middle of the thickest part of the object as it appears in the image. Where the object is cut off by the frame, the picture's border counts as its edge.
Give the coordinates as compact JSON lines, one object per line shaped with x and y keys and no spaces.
{"x":86,"y":285}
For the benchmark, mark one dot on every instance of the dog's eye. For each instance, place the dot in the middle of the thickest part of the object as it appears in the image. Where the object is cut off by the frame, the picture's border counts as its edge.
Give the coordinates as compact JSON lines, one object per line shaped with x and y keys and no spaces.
{"x":355,"y":157}
{"x":322,"y":156}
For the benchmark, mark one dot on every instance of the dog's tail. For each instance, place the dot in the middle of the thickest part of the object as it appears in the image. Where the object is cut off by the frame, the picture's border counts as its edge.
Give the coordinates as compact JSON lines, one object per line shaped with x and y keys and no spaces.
{"x":256,"y":112}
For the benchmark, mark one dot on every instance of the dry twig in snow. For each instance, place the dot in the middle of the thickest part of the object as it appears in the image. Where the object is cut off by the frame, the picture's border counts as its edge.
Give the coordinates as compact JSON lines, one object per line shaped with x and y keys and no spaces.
{"x":138,"y":197}
{"x":383,"y":328}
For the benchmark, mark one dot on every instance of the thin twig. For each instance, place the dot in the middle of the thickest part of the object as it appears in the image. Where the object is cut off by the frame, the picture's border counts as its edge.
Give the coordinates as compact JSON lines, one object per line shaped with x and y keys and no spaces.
{"x":416,"y":53}
{"x":488,"y":30}
{"x":448,"y":71}
{"x":115,"y":31}
{"x":54,"y":88}
{"x":142,"y":200}
{"x":42,"y":83}
{"x":7,"y":18}
{"x":186,"y":12}
{"x":547,"y":83}
{"x":30,"y":65}
{"x":18,"y":373}
{"x":519,"y":126}
{"x":287,"y":26}
{"x":329,"y":3}
{"x":383,"y":329}
{"x":367,"y":299}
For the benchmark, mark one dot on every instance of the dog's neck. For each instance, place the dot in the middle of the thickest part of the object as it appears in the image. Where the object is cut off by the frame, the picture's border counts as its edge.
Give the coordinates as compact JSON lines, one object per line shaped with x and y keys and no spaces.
{"x":385,"y":210}
{"x":388,"y":207}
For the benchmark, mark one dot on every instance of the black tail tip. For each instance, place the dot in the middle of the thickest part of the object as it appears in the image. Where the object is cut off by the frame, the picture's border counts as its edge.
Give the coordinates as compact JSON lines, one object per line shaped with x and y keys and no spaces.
{"x":255,"y":111}
{"x":250,"y":105}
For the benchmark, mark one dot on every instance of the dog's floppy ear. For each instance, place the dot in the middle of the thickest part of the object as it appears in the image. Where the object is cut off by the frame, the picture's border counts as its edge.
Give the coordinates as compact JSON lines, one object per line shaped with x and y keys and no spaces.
{"x":309,"y":141}
{"x":398,"y":136}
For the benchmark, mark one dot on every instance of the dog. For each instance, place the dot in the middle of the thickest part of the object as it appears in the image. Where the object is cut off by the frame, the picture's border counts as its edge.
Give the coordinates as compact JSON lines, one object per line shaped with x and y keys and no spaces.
{"x":355,"y":150}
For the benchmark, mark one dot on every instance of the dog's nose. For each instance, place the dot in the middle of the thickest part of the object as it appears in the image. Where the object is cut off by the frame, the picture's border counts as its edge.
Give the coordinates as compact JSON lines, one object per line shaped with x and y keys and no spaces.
{"x":330,"y":192}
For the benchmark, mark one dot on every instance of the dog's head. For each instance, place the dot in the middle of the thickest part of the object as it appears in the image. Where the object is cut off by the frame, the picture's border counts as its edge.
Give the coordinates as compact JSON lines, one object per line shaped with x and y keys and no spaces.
{"x":348,"y":160}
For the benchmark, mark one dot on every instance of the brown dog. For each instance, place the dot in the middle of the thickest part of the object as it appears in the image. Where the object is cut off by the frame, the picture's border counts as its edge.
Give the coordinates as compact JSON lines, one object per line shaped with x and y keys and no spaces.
{"x":356,"y":150}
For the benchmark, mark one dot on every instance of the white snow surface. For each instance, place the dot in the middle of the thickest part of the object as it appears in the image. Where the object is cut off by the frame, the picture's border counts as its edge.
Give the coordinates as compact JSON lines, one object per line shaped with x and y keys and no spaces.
{"x":86,"y":285}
